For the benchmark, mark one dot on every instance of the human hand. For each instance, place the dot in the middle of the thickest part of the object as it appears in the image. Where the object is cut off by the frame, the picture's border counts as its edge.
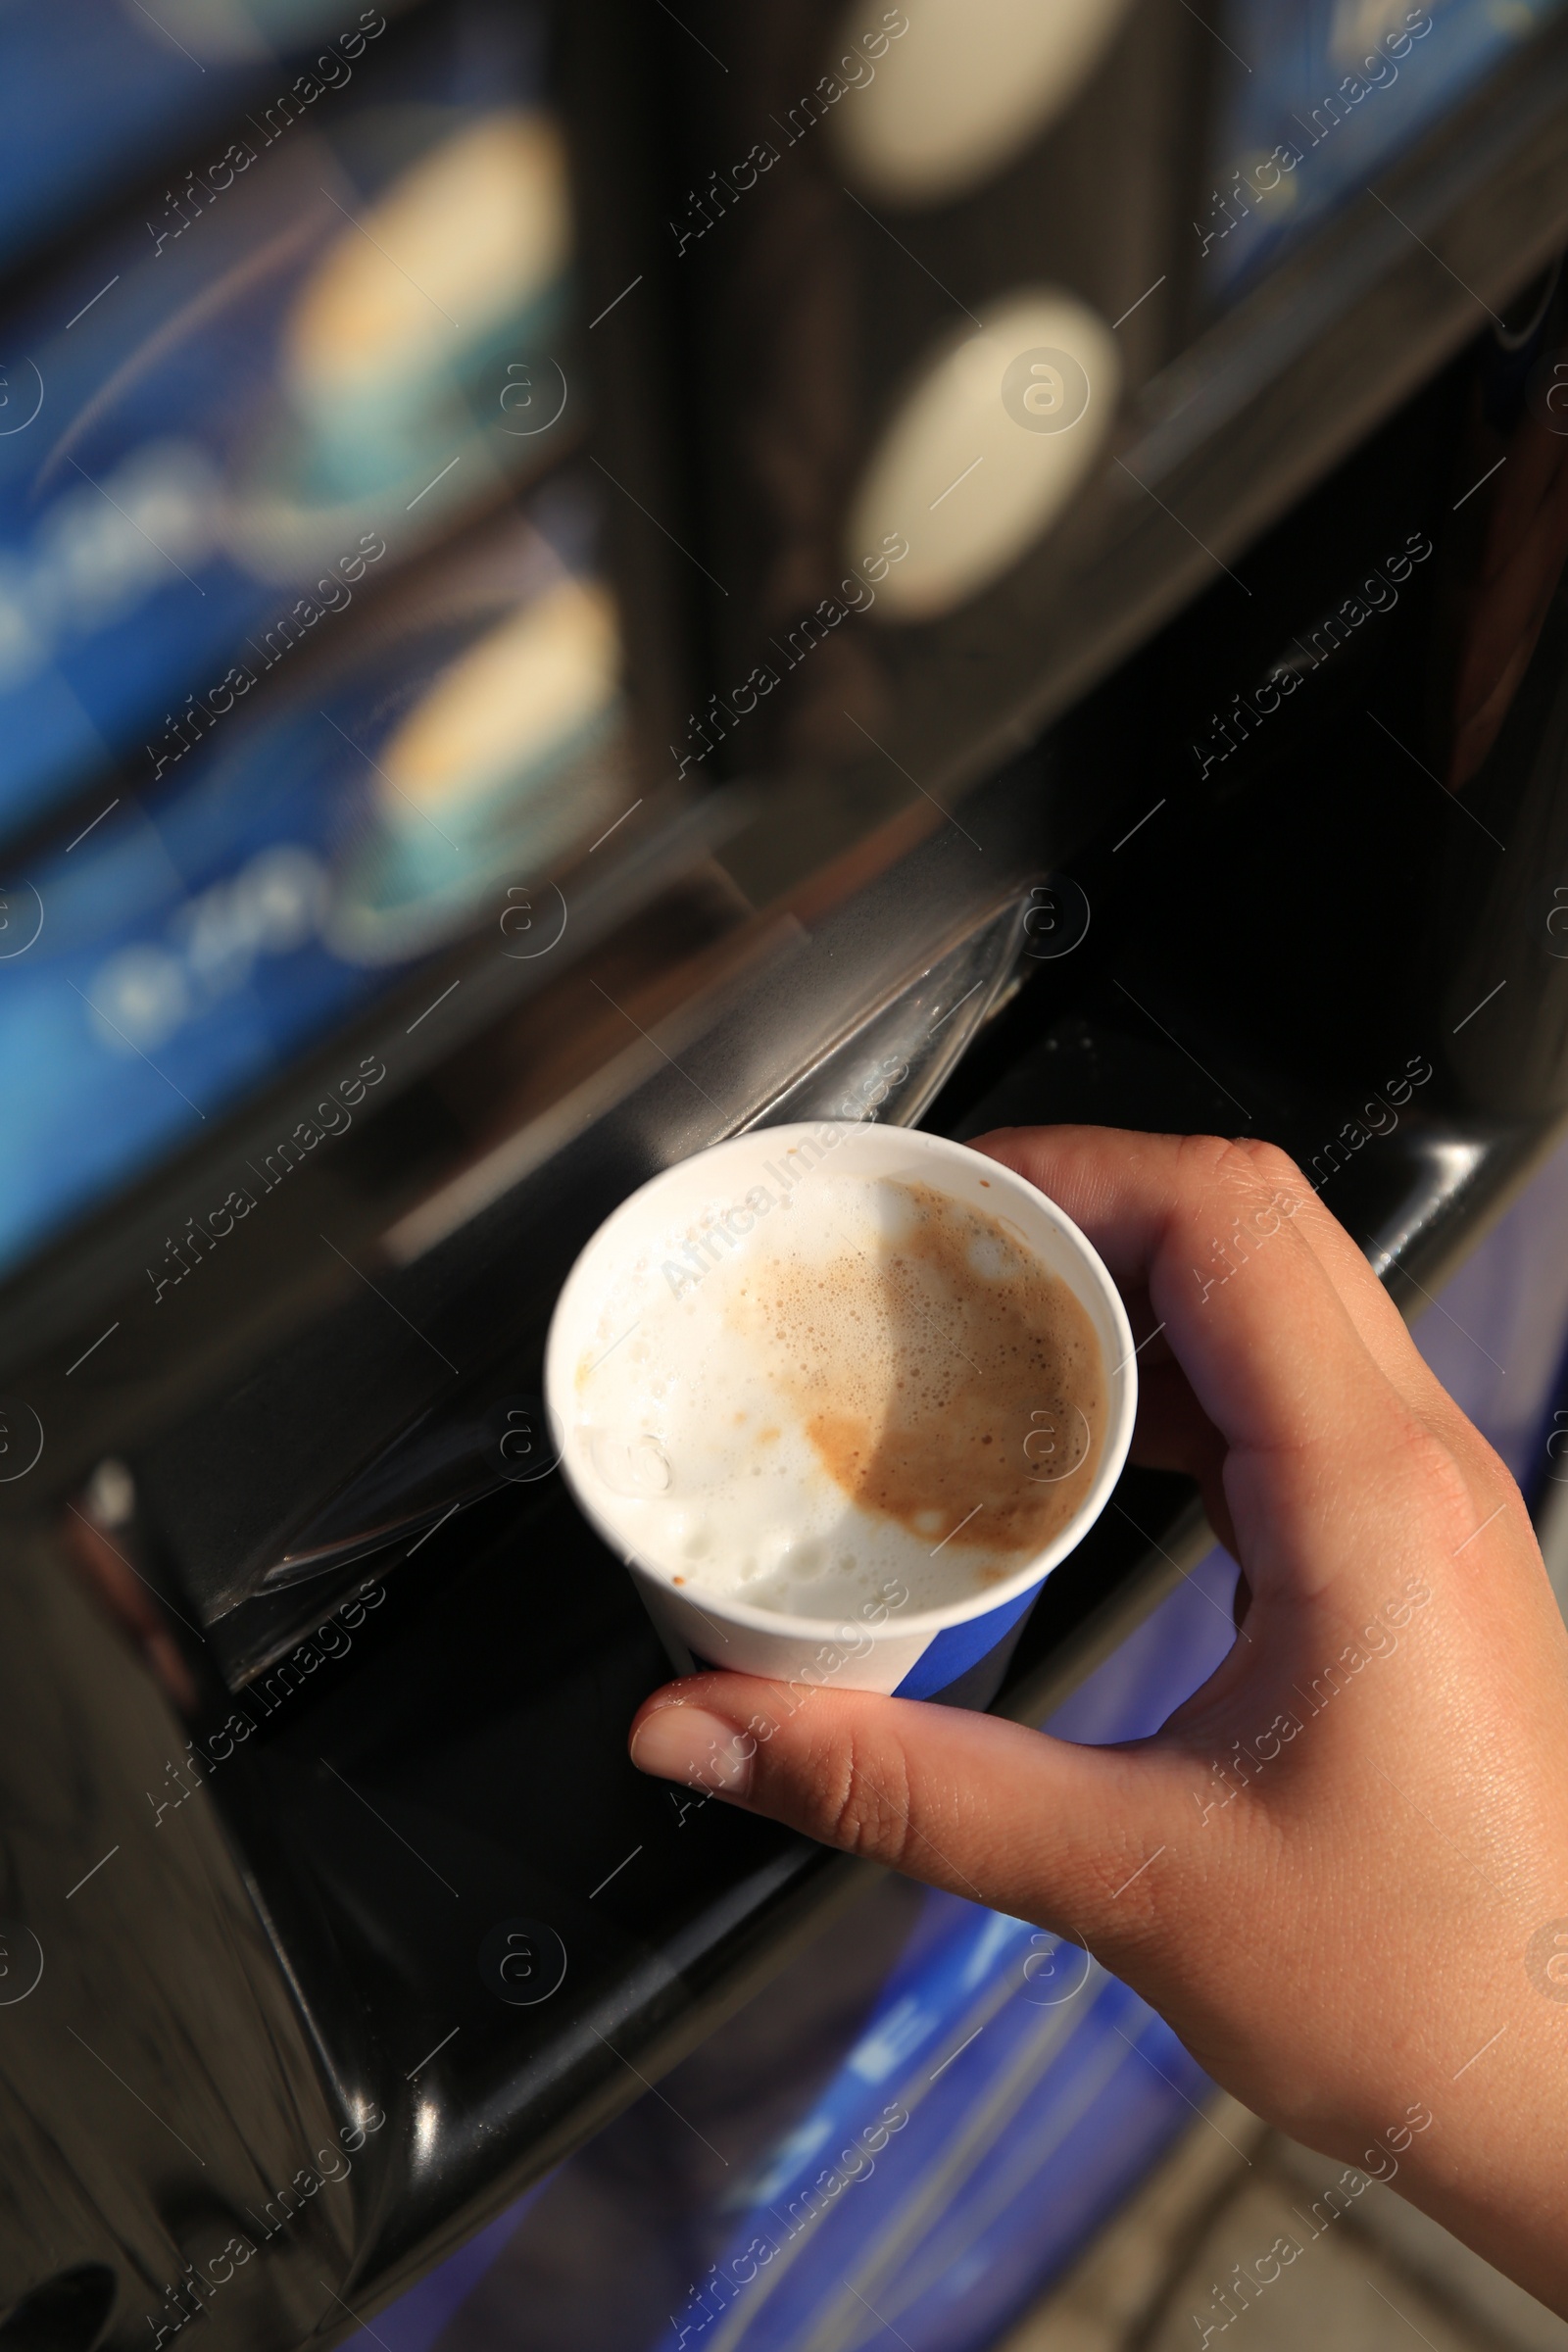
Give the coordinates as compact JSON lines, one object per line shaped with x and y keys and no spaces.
{"x":1341,"y":1869}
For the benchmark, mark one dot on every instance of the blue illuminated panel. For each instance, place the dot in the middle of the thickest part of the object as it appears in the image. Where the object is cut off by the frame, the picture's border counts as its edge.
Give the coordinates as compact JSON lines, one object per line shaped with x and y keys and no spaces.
{"x":182,"y":950}
{"x":313,"y":349}
{"x":1319,"y":96}
{"x":92,"y":91}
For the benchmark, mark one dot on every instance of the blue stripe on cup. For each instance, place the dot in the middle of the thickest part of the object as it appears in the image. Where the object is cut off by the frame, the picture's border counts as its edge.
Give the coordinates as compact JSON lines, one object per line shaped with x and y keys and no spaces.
{"x":959,"y":1647}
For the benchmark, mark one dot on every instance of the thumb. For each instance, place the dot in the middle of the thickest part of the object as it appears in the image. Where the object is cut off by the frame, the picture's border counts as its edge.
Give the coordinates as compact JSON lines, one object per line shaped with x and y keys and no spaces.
{"x":1028,"y":1824}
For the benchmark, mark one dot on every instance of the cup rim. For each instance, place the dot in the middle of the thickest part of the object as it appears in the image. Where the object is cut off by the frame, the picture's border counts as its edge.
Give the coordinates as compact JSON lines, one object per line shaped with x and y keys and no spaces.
{"x":971,"y":1608}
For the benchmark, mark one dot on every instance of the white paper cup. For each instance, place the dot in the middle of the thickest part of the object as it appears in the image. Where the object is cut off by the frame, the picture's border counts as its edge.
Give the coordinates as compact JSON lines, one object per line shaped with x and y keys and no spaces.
{"x":958,"y":1650}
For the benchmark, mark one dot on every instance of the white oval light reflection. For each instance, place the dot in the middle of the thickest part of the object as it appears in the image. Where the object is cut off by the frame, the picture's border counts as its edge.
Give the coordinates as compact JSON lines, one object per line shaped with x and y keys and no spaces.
{"x":965,"y":89}
{"x":504,"y":710}
{"x":987,"y":451}
{"x":509,"y":760}
{"x":460,"y":242}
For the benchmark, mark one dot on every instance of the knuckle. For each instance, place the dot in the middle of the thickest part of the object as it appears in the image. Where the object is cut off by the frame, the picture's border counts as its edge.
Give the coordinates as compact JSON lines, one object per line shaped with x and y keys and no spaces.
{"x":1243,"y":1180}
{"x":1436,"y":1481}
{"x":1200,"y":1157}
{"x":1208,"y":1164}
{"x":865,"y":1809}
{"x":1259,"y":1169}
{"x":1274,"y":1168}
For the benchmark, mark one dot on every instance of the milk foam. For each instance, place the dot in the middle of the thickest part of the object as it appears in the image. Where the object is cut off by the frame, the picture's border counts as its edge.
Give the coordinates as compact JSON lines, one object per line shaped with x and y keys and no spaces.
{"x":859,"y":1395}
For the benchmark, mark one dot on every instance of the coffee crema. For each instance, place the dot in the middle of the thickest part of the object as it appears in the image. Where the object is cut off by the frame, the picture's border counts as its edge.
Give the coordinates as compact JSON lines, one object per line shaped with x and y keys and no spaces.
{"x":878,"y":1383}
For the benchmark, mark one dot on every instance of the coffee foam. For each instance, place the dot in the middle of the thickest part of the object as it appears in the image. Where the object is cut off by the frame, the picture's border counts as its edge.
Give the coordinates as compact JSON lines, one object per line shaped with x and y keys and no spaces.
{"x":875,"y":1395}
